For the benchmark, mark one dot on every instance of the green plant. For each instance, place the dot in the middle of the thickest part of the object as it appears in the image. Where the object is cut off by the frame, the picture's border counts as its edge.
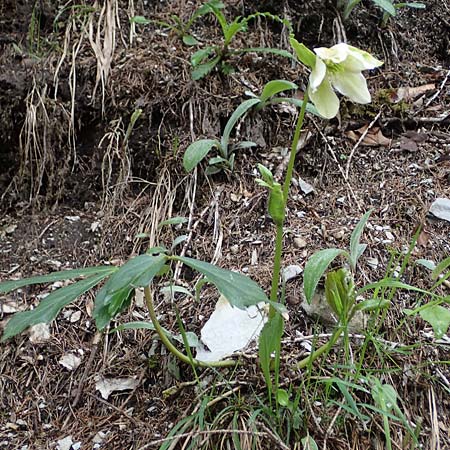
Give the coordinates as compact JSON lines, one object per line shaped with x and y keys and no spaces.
{"x":198,"y":150}
{"x":182,"y":29}
{"x":388,"y":7}
{"x":206,"y":59}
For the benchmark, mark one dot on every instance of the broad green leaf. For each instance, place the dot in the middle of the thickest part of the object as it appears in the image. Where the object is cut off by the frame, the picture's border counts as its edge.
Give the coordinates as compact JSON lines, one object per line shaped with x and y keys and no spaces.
{"x":115,"y":294}
{"x":443,"y":265}
{"x":316,"y":267}
{"x":238,"y":113}
{"x":282,"y":397}
{"x":217,"y":160}
{"x":202,"y":70}
{"x":156,"y":250}
{"x":141,"y":20}
{"x":269,"y":344}
{"x":275,"y":87}
{"x":309,"y":443}
{"x":190,"y":40}
{"x":173,"y":221}
{"x":427,"y":263}
{"x":8,"y":286}
{"x":304,"y":54}
{"x":50,"y":306}
{"x":197,"y":151}
{"x":355,"y":248}
{"x":178,"y":240}
{"x":438,"y":317}
{"x":386,"y":5}
{"x":240,"y":290}
{"x":373,"y":304}
{"x":192,"y":338}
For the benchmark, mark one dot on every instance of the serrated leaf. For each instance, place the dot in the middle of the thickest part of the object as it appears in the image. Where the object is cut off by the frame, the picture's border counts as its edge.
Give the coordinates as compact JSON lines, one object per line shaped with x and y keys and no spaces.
{"x":275,"y":87}
{"x":387,"y":6}
{"x":202,"y":70}
{"x":304,"y":54}
{"x":7,"y":286}
{"x":50,"y":306}
{"x":195,"y":153}
{"x":316,"y":267}
{"x":356,"y":249}
{"x":438,"y":317}
{"x":200,"y":55}
{"x":240,"y":290}
{"x":115,"y":294}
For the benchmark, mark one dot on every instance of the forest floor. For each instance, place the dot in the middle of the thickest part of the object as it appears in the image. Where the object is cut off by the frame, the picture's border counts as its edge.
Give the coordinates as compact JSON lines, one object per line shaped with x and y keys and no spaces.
{"x":77,"y":190}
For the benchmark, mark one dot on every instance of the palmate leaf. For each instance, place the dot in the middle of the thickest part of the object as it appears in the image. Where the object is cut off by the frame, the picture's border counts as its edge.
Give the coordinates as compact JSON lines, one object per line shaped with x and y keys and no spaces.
{"x":51,"y":305}
{"x":240,"y":290}
{"x":8,"y":286}
{"x":115,"y":294}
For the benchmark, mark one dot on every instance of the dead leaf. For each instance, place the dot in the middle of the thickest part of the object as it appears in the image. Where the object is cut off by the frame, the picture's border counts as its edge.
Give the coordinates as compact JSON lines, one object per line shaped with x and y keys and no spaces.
{"x":70,"y":361}
{"x":373,"y":138}
{"x":106,"y":386}
{"x":423,"y":238}
{"x":410,"y":93}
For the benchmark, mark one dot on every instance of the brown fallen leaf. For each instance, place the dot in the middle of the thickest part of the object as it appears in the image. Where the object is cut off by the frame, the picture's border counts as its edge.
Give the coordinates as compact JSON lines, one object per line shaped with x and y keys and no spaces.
{"x":410,"y":93}
{"x":373,"y":138}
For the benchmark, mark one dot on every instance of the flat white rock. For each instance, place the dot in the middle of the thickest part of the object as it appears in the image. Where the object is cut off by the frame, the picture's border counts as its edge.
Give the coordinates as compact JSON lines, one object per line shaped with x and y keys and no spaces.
{"x":70,"y":361}
{"x":39,"y":333}
{"x":230,"y":329}
{"x":441,"y":208}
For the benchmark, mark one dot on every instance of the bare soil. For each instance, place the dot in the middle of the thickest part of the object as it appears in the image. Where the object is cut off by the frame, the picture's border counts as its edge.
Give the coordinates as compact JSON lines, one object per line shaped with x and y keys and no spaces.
{"x":74,"y":192}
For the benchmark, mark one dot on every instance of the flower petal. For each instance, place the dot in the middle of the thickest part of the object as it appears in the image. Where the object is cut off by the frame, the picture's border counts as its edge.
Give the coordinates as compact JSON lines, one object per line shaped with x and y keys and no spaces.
{"x":358,"y":60}
{"x":336,"y":54}
{"x":352,"y":85}
{"x":317,"y":74}
{"x":324,"y":99}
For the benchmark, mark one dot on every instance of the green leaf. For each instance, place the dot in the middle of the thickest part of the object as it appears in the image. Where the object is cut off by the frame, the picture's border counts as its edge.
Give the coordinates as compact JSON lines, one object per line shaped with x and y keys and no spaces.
{"x":282,"y":397}
{"x":387,"y":6}
{"x":385,"y":396}
{"x":202,"y":70}
{"x":238,"y":113}
{"x":427,"y":263}
{"x":190,"y":40}
{"x":197,"y":151}
{"x":115,"y":294}
{"x":192,"y":338}
{"x":272,"y":51}
{"x":443,"y":265}
{"x":141,"y":20}
{"x":174,"y":289}
{"x":275,"y":87}
{"x":238,"y":289}
{"x":304,"y":54}
{"x":50,"y":306}
{"x":309,"y":443}
{"x":173,"y":221}
{"x":392,"y":283}
{"x":356,"y":249}
{"x":232,"y":29}
{"x":438,"y":317}
{"x":205,"y":9}
{"x":316,"y":267}
{"x":200,"y":55}
{"x":269,"y":343}
{"x":178,"y":240}
{"x":373,"y":304}
{"x":416,"y":5}
{"x":8,"y":286}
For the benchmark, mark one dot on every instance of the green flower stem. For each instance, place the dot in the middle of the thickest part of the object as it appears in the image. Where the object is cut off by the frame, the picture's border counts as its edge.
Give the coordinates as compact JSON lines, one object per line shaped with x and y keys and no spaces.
{"x":168,"y":344}
{"x":321,"y":350}
{"x":286,"y":186}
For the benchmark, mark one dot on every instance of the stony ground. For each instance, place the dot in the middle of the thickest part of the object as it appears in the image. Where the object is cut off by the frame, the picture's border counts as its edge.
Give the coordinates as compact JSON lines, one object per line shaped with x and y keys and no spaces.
{"x":75,"y":192}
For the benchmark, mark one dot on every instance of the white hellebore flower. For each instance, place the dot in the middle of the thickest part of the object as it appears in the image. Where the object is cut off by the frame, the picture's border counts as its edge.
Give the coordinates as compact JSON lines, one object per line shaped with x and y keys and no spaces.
{"x":339,"y":67}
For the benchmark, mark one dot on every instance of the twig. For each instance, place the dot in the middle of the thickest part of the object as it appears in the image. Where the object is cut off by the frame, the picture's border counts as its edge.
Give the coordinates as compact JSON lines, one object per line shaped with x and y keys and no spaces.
{"x":87,"y":368}
{"x":347,"y":168}
{"x":441,"y":87}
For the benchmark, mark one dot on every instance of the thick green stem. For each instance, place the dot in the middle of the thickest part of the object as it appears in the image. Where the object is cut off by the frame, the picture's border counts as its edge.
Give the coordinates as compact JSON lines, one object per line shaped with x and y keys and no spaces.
{"x":168,"y":344}
{"x":321,"y":350}
{"x":286,"y":186}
